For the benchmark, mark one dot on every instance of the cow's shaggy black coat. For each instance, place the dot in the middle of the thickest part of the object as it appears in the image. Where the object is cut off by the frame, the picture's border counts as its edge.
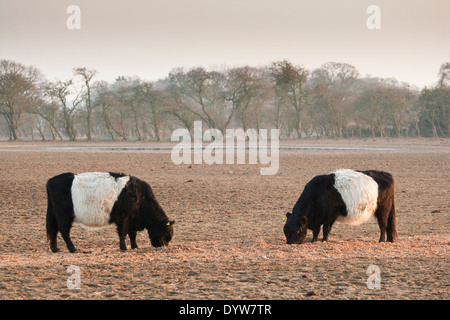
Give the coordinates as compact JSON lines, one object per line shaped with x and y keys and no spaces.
{"x":321,"y":204}
{"x":135,"y":209}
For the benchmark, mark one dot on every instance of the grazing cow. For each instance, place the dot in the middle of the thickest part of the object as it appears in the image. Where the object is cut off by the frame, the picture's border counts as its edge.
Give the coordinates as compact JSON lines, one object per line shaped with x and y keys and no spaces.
{"x":98,"y":199}
{"x":345,"y":196}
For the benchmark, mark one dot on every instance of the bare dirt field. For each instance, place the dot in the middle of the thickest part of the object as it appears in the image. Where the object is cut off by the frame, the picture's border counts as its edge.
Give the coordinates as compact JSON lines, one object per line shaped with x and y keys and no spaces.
{"x":229,"y":241}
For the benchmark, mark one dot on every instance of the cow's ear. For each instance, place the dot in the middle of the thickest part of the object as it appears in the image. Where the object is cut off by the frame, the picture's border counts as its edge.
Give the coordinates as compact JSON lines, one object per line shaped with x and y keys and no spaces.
{"x":288,"y":214}
{"x":170,"y":223}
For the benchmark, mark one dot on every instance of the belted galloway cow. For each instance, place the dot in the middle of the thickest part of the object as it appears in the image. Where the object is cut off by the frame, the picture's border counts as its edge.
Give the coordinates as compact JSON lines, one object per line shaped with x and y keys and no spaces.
{"x":99,"y":199}
{"x":347,"y":196}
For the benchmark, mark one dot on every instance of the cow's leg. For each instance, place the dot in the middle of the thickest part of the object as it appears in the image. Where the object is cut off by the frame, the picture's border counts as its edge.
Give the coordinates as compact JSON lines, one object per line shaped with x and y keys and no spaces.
{"x":382,"y":234}
{"x":122,"y":230}
{"x":64,"y":229}
{"x":316,"y":232}
{"x":122,"y":243}
{"x":53,"y":236}
{"x":382,"y":217}
{"x":326,"y":229}
{"x":132,"y":235}
{"x":52,"y":229}
{"x":392,"y":226}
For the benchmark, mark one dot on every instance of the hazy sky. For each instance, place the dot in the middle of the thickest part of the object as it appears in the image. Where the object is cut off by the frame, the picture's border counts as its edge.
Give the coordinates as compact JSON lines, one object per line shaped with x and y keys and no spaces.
{"x":150,"y":38}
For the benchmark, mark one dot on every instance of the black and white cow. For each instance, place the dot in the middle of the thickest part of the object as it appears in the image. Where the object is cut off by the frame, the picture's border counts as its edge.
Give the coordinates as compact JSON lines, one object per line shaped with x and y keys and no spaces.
{"x":346,"y":196}
{"x":98,"y":199}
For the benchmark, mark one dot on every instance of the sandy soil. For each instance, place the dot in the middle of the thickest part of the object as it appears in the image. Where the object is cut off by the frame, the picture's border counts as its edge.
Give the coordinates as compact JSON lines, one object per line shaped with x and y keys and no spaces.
{"x":229,"y":241}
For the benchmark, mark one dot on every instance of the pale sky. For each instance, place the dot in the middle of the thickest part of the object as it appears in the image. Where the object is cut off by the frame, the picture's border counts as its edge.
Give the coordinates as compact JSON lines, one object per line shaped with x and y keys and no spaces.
{"x":148,"y":38}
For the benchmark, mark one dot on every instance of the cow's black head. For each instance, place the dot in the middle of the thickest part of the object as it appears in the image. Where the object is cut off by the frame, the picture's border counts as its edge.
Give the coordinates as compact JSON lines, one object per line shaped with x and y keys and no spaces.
{"x":295,"y":228}
{"x":161,"y":234}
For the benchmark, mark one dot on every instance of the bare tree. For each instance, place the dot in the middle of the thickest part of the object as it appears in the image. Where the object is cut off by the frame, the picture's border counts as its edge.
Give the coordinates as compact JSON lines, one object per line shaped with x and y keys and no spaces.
{"x":87,"y":76}
{"x":332,"y":85}
{"x":69,"y":99}
{"x":400,"y":102}
{"x":201,"y":93}
{"x":339,"y":74}
{"x":196,"y":87}
{"x":239,"y":92}
{"x":435,"y":109}
{"x":108,"y":107}
{"x":19,"y":91}
{"x":179,"y":107}
{"x":127,"y":95}
{"x":262,"y":97}
{"x":372,"y":108}
{"x":49,"y":111}
{"x":290,"y":86}
{"x":152,"y":101}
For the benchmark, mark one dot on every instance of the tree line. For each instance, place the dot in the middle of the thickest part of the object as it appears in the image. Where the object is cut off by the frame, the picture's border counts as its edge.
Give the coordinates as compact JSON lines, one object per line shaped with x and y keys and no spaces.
{"x":333,"y":100}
